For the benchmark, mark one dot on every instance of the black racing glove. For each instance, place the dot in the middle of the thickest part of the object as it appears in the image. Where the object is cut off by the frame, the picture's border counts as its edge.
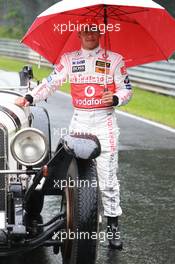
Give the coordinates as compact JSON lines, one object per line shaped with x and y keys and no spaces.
{"x":115,"y":100}
{"x":29,"y":98}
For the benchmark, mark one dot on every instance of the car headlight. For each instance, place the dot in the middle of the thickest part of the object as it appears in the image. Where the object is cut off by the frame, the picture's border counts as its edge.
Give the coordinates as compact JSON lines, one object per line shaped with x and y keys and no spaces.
{"x":29,"y":146}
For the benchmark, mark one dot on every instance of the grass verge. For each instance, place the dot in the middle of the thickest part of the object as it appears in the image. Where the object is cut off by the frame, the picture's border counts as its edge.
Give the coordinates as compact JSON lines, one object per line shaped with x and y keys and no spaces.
{"x":155,"y":107}
{"x":10,"y":64}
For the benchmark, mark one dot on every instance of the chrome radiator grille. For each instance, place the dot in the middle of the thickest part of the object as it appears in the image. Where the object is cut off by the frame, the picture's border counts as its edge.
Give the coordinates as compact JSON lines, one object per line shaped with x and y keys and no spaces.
{"x":3,"y":166}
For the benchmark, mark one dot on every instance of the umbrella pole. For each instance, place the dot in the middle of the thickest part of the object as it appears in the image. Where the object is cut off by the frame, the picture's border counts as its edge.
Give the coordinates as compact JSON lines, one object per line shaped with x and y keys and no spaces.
{"x":105,"y":47}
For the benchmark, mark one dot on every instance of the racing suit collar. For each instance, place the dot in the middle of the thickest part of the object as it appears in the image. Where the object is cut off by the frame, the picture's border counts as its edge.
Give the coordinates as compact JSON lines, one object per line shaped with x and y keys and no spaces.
{"x":91,"y":53}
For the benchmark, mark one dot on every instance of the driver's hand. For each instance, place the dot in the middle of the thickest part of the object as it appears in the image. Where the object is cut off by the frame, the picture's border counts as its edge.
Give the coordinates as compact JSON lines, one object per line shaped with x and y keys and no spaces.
{"x":21,"y":101}
{"x":107,"y":98}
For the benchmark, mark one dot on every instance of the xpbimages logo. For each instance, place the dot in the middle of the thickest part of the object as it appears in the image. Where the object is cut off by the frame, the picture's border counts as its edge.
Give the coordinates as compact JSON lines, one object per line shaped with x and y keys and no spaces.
{"x":79,"y":235}
{"x":70,"y":183}
{"x":71,"y":27}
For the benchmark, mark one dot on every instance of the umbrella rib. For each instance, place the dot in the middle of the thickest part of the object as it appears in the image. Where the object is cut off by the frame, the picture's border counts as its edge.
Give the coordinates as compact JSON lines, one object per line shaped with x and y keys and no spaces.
{"x":113,"y":13}
{"x":95,"y":12}
{"x":113,"y":10}
{"x":90,"y":11}
{"x":118,"y":18}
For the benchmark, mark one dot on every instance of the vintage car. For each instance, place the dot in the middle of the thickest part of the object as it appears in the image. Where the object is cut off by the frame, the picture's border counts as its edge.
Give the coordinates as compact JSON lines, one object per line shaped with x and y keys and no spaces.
{"x":28,"y":173}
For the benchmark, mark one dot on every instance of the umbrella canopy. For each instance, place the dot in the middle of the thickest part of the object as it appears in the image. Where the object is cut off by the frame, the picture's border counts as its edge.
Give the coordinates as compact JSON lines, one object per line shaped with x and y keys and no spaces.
{"x":141,"y":30}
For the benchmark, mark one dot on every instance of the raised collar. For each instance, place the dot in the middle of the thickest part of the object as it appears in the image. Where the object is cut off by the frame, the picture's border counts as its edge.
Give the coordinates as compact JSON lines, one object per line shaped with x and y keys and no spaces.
{"x":91,"y":53}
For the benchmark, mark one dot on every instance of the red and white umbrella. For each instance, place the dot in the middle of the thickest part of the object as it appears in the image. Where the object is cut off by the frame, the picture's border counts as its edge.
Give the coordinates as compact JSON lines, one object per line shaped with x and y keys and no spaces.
{"x":141,"y":30}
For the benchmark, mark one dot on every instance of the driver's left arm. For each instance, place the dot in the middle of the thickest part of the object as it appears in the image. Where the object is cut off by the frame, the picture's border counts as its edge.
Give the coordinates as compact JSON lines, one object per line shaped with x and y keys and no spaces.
{"x":123,"y":86}
{"x":50,"y":84}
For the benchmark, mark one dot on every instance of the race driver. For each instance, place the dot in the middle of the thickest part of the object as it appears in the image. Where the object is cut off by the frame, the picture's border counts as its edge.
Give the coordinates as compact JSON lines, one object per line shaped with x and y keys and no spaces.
{"x":99,"y":82}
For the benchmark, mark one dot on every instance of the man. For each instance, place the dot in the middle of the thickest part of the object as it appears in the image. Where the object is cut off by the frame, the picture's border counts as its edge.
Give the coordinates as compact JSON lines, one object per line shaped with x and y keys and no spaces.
{"x":99,"y":82}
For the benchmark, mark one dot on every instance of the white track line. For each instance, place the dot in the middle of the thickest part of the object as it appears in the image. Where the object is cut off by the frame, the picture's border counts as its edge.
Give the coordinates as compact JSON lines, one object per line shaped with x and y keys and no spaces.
{"x":152,"y":123}
{"x":167,"y":128}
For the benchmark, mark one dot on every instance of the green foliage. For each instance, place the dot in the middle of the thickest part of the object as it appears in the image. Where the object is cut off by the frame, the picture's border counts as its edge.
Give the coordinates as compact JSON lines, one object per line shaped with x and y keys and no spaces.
{"x":169,"y":5}
{"x":11,"y":64}
{"x":152,"y":106}
{"x":17,"y":15}
{"x":13,"y":20}
{"x":10,"y":32}
{"x":173,"y":57}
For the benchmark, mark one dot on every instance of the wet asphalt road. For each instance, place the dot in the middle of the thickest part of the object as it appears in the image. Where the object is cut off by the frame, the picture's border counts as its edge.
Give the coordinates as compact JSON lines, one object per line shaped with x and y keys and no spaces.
{"x":147,"y":178}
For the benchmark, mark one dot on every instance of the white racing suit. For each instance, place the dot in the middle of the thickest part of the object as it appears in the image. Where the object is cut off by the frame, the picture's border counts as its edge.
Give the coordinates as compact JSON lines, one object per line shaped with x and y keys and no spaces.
{"x":86,"y":71}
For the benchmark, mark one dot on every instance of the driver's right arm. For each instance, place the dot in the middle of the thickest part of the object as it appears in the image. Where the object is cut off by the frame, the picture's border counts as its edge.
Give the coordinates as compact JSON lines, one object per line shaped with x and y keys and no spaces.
{"x":48,"y":86}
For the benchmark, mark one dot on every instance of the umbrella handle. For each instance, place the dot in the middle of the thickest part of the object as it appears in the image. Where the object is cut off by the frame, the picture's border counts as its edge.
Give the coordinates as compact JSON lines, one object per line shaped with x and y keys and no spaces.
{"x":105,"y":42}
{"x":105,"y":89}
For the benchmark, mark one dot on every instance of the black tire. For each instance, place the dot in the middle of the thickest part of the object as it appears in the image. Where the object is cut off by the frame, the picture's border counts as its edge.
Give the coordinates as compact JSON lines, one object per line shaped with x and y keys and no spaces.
{"x":82,"y":214}
{"x":35,"y":205}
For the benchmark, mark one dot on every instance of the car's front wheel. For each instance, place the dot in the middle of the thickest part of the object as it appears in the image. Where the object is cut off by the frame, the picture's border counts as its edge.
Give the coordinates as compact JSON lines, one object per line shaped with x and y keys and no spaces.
{"x":80,"y":239}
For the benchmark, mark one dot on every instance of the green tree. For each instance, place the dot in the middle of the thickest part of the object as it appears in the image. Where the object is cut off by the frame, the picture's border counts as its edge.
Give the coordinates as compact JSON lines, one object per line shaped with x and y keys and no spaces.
{"x":169,"y":5}
{"x":17,"y":15}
